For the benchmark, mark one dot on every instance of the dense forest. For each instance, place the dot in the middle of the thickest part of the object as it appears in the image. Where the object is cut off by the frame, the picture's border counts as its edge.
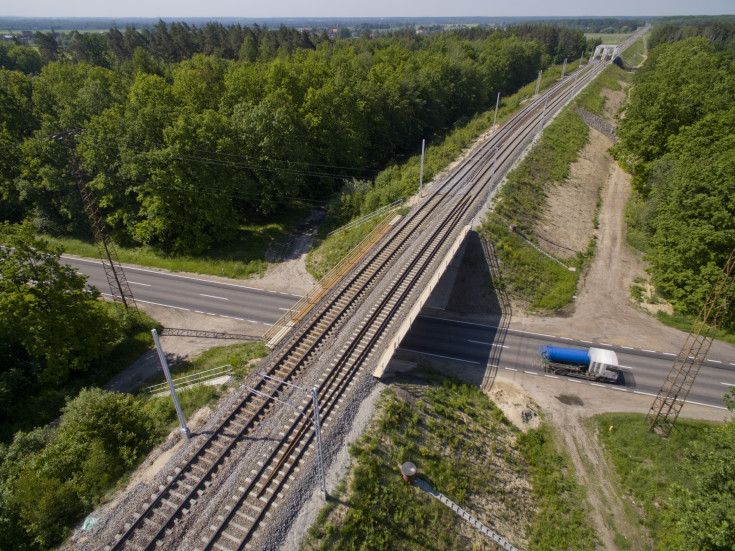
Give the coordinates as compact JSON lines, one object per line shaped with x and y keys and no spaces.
{"x":678,"y":141}
{"x":186,"y":133}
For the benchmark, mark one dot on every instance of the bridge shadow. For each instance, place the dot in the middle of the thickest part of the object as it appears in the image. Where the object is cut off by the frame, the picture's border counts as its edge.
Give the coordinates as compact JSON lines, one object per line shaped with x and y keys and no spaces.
{"x":471,"y":292}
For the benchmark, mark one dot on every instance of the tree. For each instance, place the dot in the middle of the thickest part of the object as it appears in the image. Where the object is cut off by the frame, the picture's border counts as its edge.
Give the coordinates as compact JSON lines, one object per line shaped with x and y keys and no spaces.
{"x":49,"y":315}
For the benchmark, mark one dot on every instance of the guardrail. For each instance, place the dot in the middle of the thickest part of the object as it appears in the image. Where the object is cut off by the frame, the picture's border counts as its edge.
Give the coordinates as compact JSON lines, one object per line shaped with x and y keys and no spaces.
{"x":360,"y":221}
{"x":190,"y":380}
{"x":276,"y":332}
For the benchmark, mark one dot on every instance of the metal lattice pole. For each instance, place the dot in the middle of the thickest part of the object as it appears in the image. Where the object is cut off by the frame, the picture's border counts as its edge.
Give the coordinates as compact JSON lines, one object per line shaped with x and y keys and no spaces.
{"x":119,"y":287}
{"x":675,"y":389}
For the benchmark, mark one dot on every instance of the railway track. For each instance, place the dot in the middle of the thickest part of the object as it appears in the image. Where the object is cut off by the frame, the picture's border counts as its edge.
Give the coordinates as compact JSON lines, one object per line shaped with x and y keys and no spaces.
{"x":409,"y":251}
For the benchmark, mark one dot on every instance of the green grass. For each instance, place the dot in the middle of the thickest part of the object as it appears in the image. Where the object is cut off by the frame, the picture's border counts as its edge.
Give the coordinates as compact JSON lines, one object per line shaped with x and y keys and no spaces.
{"x":685,"y":323}
{"x":646,"y":463}
{"x":243,"y":257}
{"x":526,"y":273}
{"x":608,"y":38}
{"x":331,"y":250}
{"x":592,"y":98}
{"x":236,"y":355}
{"x":522,"y":197}
{"x":561,"y":521}
{"x":419,"y":423}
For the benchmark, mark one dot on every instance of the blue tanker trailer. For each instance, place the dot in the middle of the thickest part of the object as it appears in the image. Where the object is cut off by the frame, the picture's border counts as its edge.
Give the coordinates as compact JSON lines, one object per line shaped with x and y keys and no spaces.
{"x":592,"y":363}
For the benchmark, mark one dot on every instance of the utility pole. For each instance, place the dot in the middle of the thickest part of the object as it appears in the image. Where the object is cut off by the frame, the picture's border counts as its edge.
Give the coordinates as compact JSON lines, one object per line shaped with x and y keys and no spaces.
{"x":314,"y":419}
{"x":543,"y":114}
{"x":564,"y":68}
{"x":538,"y":83}
{"x":495,"y":118}
{"x":675,"y":389}
{"x":421,"y":174}
{"x":164,"y":365}
{"x":119,"y":288}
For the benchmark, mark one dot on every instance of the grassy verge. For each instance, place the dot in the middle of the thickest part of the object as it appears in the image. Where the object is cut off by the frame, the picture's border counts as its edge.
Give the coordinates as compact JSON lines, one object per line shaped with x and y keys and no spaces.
{"x":526,"y":273}
{"x":236,"y":355}
{"x":592,"y":98}
{"x":685,"y":323}
{"x":463,"y":447}
{"x":239,"y":356}
{"x":647,"y":463}
{"x":331,"y":250}
{"x":522,"y":197}
{"x":43,"y":403}
{"x":561,"y":521}
{"x":243,"y":257}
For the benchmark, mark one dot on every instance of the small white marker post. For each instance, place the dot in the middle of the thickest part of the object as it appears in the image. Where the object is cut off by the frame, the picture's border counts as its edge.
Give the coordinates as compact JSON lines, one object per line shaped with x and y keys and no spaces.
{"x":564,"y":68}
{"x":167,"y":373}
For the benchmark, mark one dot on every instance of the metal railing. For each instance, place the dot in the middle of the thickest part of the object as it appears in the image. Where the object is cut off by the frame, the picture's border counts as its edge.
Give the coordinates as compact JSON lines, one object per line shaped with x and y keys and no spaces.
{"x":274,"y":334}
{"x":190,"y":380}
{"x":360,"y":221}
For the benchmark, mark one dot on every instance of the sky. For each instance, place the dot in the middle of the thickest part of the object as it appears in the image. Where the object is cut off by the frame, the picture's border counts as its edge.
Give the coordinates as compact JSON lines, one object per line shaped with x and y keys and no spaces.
{"x":364,"y":8}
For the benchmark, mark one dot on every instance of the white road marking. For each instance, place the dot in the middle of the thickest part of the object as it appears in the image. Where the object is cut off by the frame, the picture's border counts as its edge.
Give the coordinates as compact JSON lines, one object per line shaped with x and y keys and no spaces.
{"x":136,"y":283}
{"x":668,"y":354}
{"x":488,"y":343}
{"x":212,"y":296}
{"x":531,"y":372}
{"x":286,"y":309}
{"x":159,"y":304}
{"x":728,"y":384}
{"x":605,"y":344}
{"x":587,"y":342}
{"x":705,"y":405}
{"x":624,"y":367}
{"x":651,"y":351}
{"x":551,"y":376}
{"x":618,"y":388}
{"x":644,"y":393}
{"x":598,"y":384}
{"x":716,"y":361}
{"x":231,"y":317}
{"x":510,"y":369}
{"x":574,"y":381}
{"x":157,"y":272}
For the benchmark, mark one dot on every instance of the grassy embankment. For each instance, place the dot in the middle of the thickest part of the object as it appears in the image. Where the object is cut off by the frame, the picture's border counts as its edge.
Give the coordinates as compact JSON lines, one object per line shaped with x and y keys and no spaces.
{"x":241,"y":258}
{"x":526,"y":273}
{"x":466,"y":449}
{"x":239,"y":356}
{"x":647,"y":464}
{"x":400,"y":181}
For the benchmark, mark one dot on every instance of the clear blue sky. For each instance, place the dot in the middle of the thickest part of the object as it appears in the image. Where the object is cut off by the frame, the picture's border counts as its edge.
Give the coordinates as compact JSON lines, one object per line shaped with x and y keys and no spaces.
{"x":363,"y":8}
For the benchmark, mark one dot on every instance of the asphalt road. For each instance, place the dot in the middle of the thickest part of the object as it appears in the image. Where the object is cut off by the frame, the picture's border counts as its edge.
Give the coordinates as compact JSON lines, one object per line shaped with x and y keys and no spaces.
{"x":643,"y":371}
{"x":228,"y":300}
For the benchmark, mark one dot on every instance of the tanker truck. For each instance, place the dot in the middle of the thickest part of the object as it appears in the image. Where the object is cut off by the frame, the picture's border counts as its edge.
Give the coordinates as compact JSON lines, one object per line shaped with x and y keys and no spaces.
{"x":593,"y":363}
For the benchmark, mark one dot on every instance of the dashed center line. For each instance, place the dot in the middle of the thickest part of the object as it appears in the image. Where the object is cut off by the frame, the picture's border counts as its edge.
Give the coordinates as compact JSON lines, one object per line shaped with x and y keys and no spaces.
{"x":136,"y":283}
{"x":212,"y":296}
{"x":488,"y":343}
{"x":530,"y":372}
